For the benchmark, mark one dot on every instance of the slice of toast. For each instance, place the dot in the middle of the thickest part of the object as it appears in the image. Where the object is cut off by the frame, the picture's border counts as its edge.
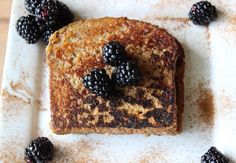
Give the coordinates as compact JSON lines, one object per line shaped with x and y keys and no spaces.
{"x":149,"y":108}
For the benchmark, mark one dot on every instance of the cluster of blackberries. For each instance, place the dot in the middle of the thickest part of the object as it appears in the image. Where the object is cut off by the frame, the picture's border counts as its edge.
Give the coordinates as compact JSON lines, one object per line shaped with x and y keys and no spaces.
{"x":45,"y":17}
{"x":126,"y":71}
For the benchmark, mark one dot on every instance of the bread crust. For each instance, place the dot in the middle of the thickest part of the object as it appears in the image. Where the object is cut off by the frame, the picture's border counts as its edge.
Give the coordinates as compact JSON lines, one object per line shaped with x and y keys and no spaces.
{"x":149,"y":108}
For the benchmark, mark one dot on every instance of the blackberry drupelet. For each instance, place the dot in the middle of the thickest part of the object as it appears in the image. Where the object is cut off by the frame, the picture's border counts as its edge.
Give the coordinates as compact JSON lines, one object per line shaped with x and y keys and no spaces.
{"x":65,"y":16}
{"x":30,"y":5}
{"x":202,"y":13}
{"x":126,"y":74}
{"x":114,"y":53}
{"x":98,"y":82}
{"x":47,"y":13}
{"x":39,"y":150}
{"x":28,"y":29}
{"x":214,"y":156}
{"x":46,"y":34}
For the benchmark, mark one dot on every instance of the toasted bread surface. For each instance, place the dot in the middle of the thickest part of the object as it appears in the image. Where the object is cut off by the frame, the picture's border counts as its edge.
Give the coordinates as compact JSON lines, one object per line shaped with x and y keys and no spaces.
{"x":149,"y":108}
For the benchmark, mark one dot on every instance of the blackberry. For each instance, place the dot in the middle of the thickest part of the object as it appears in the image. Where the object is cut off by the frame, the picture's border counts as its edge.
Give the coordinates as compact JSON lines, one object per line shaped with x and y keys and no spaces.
{"x":202,"y":13}
{"x":214,"y":156}
{"x":113,"y":53}
{"x":65,"y":16}
{"x":47,"y":13}
{"x":30,"y":5}
{"x":98,"y":82}
{"x":39,"y":150}
{"x":28,"y":29}
{"x":126,"y":74}
{"x":46,"y":34}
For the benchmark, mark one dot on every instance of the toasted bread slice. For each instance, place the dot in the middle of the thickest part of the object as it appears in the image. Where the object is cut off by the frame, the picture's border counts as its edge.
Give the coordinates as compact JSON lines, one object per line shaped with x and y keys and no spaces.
{"x":149,"y":108}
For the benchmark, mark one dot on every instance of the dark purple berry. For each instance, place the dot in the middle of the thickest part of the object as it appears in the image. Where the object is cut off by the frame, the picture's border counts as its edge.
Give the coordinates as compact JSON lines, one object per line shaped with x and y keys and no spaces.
{"x":202,"y":13}
{"x":28,"y":29}
{"x":98,"y":82}
{"x":114,"y":53}
{"x":127,"y":73}
{"x":39,"y":150}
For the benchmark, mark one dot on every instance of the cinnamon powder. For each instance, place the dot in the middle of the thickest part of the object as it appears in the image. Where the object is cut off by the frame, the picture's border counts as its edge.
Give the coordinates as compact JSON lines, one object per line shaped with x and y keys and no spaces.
{"x":206,"y":106}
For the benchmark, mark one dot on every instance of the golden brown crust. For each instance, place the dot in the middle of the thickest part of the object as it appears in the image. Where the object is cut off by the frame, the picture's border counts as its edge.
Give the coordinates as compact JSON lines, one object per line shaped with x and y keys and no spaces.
{"x":149,"y":108}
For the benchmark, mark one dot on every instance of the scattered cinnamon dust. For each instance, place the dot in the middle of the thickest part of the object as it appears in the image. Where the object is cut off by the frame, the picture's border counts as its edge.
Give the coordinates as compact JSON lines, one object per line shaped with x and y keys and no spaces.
{"x":208,"y":36}
{"x":24,"y":76}
{"x":19,"y":86}
{"x":179,"y":19}
{"x":9,"y":151}
{"x":38,"y":105}
{"x":181,"y":26}
{"x":167,"y":3}
{"x":7,"y":97}
{"x":79,"y":151}
{"x":226,"y":103}
{"x":182,"y":20}
{"x":152,"y":154}
{"x":232,"y":19}
{"x":206,"y":106}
